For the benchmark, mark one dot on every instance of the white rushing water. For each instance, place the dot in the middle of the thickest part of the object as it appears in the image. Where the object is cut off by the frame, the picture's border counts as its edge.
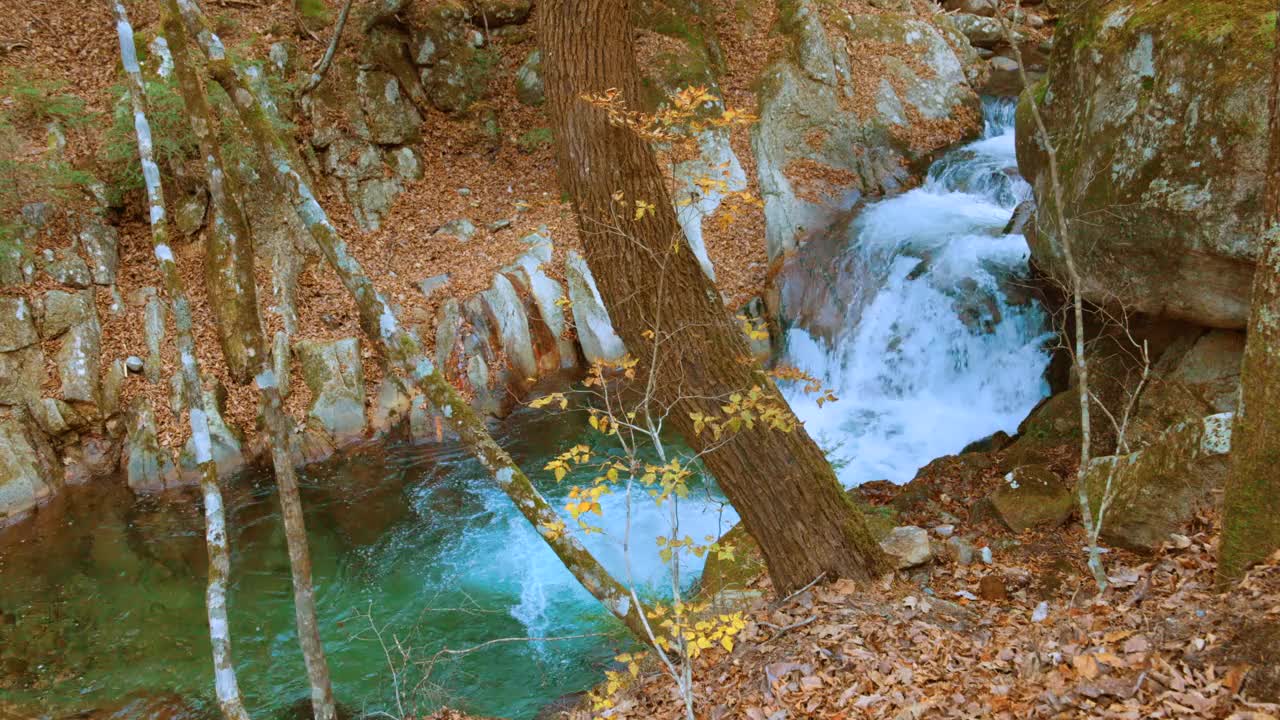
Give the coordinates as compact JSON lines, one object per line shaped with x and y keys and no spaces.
{"x":939,"y":356}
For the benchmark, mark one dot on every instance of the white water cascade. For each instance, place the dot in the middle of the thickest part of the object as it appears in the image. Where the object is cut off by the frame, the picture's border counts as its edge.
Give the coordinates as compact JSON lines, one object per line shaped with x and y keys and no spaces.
{"x":940,"y":355}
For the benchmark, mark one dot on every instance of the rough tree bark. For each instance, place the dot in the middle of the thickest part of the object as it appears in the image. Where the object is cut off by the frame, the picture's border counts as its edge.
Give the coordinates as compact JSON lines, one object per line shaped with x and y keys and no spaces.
{"x":225,"y":683}
{"x":1251,"y":505}
{"x":779,"y":482}
{"x":400,"y":347}
{"x":235,"y":237}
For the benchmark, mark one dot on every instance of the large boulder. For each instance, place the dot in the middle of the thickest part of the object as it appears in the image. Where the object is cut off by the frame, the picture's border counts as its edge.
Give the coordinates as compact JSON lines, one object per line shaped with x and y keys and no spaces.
{"x":28,"y":475}
{"x":1158,"y":111}
{"x":599,"y":341}
{"x":856,"y":102}
{"x":1159,"y":489}
{"x":334,"y":374}
{"x":1031,"y":496}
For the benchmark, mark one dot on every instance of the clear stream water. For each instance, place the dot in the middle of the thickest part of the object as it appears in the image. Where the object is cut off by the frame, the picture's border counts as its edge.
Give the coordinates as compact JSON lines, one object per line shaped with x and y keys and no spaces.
{"x":102,"y":596}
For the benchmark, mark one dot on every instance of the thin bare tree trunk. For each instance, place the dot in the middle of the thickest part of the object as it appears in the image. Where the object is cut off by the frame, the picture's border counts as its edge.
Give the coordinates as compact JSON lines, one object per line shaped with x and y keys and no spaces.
{"x":225,"y":683}
{"x":400,"y":347}
{"x":1251,"y":505}
{"x":237,"y":234}
{"x":656,"y":292}
{"x":1091,"y":524}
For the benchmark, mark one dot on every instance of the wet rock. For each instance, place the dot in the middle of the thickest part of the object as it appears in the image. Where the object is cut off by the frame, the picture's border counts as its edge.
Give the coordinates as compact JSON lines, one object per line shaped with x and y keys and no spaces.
{"x":907,"y":546}
{"x":27,"y":473}
{"x":17,"y":326}
{"x":1147,"y":124}
{"x":596,"y":336}
{"x":392,"y":405}
{"x":1031,"y":496}
{"x":335,"y":375}
{"x":530,"y":88}
{"x":512,"y":325}
{"x":461,"y":229}
{"x":98,"y":242}
{"x":1160,"y":488}
{"x":548,"y":324}
{"x":149,"y":467}
{"x":1003,"y":77}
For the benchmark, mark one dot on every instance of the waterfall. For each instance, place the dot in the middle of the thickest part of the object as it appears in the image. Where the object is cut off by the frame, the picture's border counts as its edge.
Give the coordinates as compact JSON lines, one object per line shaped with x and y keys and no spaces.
{"x":942,"y":353}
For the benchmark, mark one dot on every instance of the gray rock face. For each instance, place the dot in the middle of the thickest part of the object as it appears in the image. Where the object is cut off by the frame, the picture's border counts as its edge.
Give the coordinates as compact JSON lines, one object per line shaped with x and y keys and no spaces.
{"x":983,"y":32}
{"x":983,"y":8}
{"x":191,"y":212}
{"x":149,"y":468}
{"x":907,"y":547}
{"x":499,"y":13}
{"x":335,"y":375}
{"x":17,"y":328}
{"x":225,"y":446}
{"x":815,"y":155}
{"x":455,"y":71}
{"x":25,"y":477}
{"x":66,"y":267}
{"x":1156,"y":110}
{"x":530,"y":89}
{"x":1032,"y":496}
{"x":153,"y":318}
{"x":1160,"y":488}
{"x":79,"y":357}
{"x":98,"y":241}
{"x":599,"y":341}
{"x":513,"y":326}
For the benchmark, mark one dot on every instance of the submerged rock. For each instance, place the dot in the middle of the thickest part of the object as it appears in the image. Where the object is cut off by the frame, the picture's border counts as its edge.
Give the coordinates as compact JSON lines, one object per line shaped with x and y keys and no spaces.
{"x":1155,"y":108}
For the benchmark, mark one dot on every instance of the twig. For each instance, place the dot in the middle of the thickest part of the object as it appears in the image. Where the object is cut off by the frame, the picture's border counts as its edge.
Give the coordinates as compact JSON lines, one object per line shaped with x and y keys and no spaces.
{"x":320,"y":68}
{"x":786,"y":628}
{"x":812,"y":582}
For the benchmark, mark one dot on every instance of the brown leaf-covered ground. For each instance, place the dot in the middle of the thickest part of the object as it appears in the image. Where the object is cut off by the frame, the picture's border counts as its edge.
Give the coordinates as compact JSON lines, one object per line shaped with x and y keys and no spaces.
{"x":996,"y":641}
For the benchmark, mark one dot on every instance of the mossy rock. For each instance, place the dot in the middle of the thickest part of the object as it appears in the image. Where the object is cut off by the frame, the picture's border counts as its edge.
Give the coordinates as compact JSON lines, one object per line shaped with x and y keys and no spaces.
{"x":1159,"y":113}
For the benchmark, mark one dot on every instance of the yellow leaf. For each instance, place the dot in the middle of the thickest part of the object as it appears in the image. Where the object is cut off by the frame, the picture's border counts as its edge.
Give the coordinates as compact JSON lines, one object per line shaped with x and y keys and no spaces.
{"x":727,"y":642}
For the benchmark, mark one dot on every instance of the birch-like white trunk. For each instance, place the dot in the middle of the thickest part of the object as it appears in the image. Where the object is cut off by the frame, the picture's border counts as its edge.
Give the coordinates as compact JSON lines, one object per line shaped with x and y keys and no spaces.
{"x":236,"y":232}
{"x":225,"y":684}
{"x":400,"y":347}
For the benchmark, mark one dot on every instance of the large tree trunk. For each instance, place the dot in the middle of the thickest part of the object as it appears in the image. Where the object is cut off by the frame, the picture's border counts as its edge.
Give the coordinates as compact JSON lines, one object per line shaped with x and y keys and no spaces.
{"x":232,"y":237}
{"x":225,"y":684}
{"x":1251,"y":506}
{"x":400,"y":347}
{"x":655,"y":291}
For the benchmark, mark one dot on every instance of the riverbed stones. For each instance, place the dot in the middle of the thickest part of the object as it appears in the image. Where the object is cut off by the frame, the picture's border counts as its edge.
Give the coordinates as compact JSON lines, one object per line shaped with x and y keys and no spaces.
{"x":334,"y":374}
{"x":1031,"y":496}
{"x":1155,"y":109}
{"x":1159,"y":489}
{"x":596,"y":336}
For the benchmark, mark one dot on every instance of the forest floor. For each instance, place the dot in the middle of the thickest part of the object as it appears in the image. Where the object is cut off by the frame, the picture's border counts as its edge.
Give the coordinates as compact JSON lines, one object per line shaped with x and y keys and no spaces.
{"x":1025,"y":636}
